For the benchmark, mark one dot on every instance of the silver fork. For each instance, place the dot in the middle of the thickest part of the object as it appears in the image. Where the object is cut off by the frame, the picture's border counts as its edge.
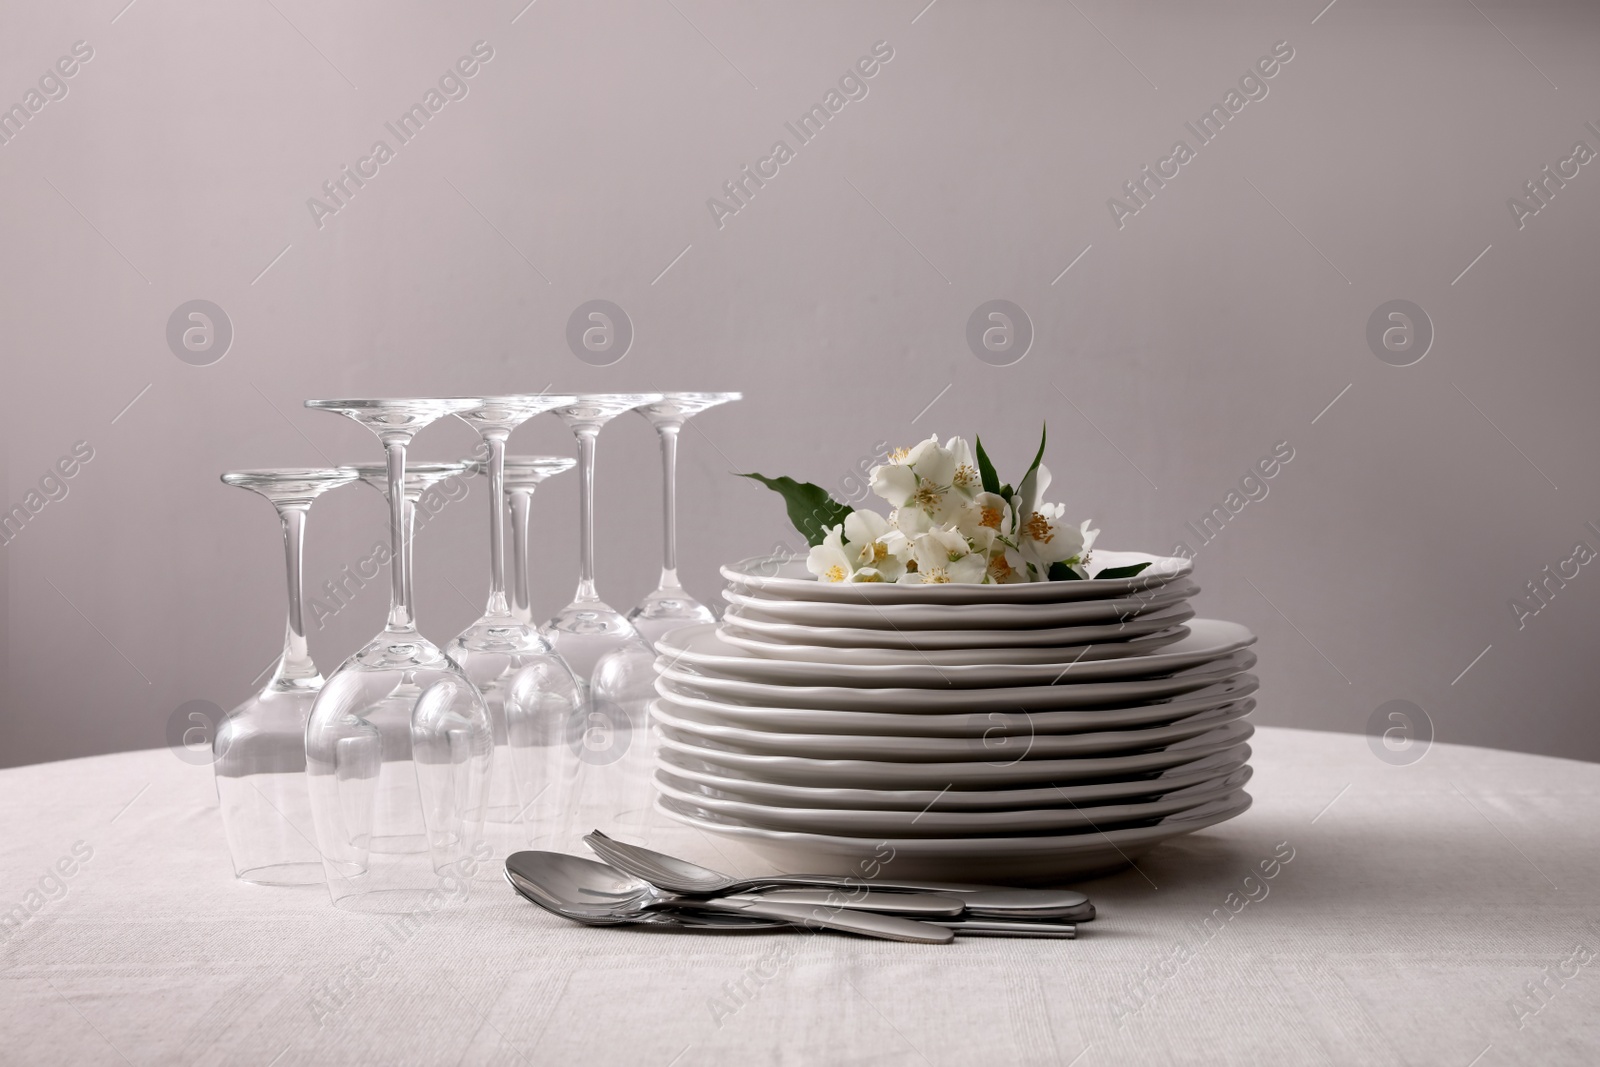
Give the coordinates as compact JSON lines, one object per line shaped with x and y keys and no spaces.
{"x":681,"y":876}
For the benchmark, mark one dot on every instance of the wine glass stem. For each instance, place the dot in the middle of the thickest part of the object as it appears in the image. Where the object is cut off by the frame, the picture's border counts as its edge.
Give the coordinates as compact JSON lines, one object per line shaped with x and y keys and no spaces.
{"x":400,"y":618}
{"x":496,"y":440}
{"x":586,"y":443}
{"x":521,"y":506}
{"x":295,"y":668}
{"x":669,"y":507}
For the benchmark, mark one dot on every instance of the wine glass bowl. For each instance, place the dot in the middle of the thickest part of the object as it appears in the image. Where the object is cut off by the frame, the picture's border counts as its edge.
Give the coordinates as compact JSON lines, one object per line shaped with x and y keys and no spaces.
{"x":259,"y":750}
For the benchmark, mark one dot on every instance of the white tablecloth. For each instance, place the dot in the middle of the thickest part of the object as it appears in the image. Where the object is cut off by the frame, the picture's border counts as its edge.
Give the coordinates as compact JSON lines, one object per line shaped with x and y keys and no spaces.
{"x":1447,"y":912}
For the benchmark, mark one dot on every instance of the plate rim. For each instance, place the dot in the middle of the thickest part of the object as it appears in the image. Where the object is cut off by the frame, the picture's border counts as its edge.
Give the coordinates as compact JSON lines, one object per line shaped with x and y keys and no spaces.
{"x":1163,"y":569}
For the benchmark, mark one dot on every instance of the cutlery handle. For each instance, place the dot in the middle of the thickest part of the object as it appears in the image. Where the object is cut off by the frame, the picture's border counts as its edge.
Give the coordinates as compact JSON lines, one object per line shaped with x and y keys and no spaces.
{"x":989,"y":898}
{"x":870,"y":924}
{"x":911,"y":904}
{"x":979,"y":928}
{"x":1081,"y":914}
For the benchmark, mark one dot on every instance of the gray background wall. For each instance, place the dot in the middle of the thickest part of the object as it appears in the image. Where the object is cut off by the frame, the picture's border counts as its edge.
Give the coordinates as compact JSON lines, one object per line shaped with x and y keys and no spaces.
{"x":1220,"y":320}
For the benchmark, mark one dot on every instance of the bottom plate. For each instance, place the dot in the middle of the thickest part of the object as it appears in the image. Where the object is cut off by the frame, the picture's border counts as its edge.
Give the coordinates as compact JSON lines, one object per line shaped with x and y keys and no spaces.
{"x":1023,"y":860}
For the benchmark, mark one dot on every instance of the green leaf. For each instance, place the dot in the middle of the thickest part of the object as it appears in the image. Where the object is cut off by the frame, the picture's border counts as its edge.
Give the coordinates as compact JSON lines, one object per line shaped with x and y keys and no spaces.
{"x":810,"y":508}
{"x":1006,"y":492}
{"x":1122,"y":572}
{"x":1028,"y":489}
{"x":1060,"y":572}
{"x":991,"y":480}
{"x":1038,"y":456}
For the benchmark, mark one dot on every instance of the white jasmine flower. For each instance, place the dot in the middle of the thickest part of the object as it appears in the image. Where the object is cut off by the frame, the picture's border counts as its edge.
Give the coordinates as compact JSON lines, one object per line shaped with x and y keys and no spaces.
{"x":829,"y":561}
{"x":943,"y":555}
{"x":1044,"y":539}
{"x":964,"y":479}
{"x":894,"y":482}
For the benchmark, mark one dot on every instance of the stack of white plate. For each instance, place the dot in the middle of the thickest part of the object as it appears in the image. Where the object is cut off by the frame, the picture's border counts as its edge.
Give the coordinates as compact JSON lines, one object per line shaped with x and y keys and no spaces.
{"x":978,"y":733}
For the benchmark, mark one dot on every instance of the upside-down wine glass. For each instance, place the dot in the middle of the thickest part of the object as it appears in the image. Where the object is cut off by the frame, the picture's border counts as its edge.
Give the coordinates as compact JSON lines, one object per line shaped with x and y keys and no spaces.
{"x":669,"y":606}
{"x":398,"y":746}
{"x":600,"y":766}
{"x":588,"y":628}
{"x":260,"y":748}
{"x":530,"y":690}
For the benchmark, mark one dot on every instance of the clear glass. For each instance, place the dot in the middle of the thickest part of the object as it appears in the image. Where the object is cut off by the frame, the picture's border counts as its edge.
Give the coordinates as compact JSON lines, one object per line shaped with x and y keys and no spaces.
{"x":260,"y":748}
{"x":399,"y":746}
{"x":586,"y":629}
{"x":523,"y":475}
{"x":669,"y":606}
{"x":527,"y":686}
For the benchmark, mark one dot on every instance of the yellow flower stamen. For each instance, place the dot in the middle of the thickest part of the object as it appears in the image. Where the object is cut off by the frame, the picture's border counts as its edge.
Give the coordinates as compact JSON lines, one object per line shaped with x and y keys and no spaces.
{"x":927,"y":496}
{"x":990,"y":517}
{"x":966,"y":477}
{"x":835,"y":573}
{"x":1000,"y":568}
{"x":1038,"y":528}
{"x":899,"y":455}
{"x":937,"y":576}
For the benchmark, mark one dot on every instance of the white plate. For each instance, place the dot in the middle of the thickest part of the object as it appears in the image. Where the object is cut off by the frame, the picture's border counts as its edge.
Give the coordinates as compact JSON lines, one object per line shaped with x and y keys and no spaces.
{"x":786,"y":576}
{"x":959,"y":724}
{"x":687,"y":772}
{"x":1021,"y":860}
{"x":737,"y":623}
{"x":880,"y":774}
{"x":990,"y":748}
{"x":1115,"y":646}
{"x":922,"y":701}
{"x":700,"y":649}
{"x":955,"y":616}
{"x":849,"y":823}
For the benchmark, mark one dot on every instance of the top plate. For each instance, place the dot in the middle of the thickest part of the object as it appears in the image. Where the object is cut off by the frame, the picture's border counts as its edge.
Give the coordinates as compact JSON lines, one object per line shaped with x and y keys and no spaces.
{"x":786,"y":576}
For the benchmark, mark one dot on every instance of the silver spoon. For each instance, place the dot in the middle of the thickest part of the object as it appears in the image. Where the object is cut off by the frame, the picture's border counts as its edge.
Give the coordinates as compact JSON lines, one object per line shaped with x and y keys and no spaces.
{"x":911,"y":905}
{"x":685,"y":917}
{"x":586,"y":891}
{"x":680,"y":876}
{"x":683,"y":920}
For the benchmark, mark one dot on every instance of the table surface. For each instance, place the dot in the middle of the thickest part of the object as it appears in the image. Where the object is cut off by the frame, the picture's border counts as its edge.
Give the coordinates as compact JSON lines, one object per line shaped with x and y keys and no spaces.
{"x":1446,"y":912}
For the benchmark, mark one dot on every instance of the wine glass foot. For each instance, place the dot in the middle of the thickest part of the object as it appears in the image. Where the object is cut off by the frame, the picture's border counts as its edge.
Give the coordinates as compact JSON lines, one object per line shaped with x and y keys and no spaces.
{"x":584,"y":632}
{"x":665,"y":610}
